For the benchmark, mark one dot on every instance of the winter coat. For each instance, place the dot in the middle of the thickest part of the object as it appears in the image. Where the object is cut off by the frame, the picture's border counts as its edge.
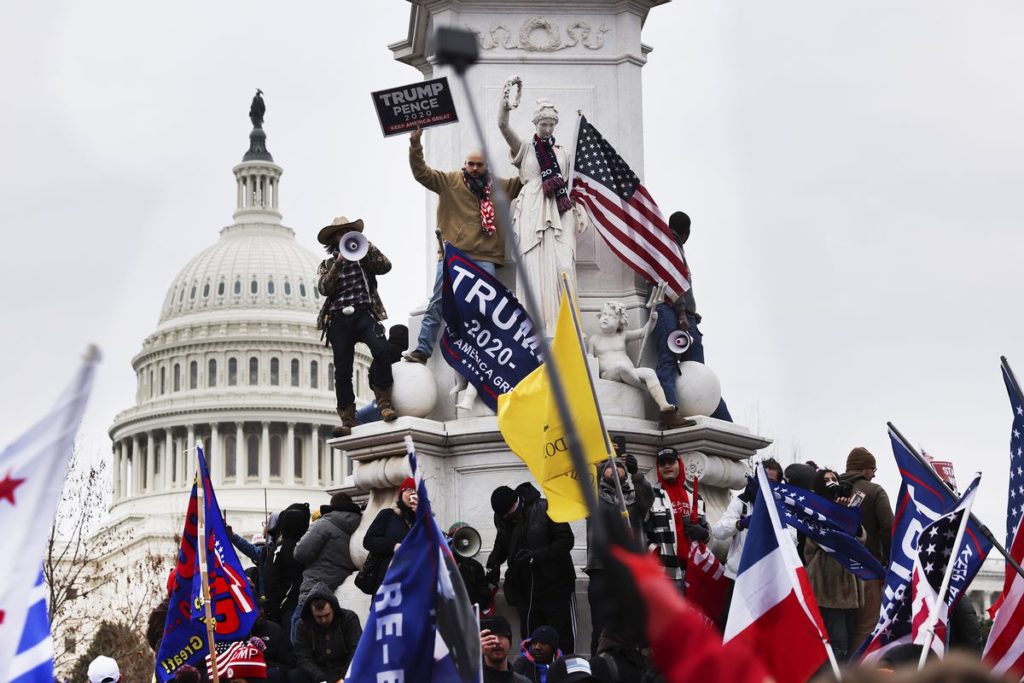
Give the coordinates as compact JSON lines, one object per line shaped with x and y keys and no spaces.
{"x":549,"y":574}
{"x":373,"y":264}
{"x":875,"y":514}
{"x":324,"y":549}
{"x":155,"y":625}
{"x":475,"y":580}
{"x":529,"y":668}
{"x":725,"y":530}
{"x":965,"y":632}
{"x":509,"y":676}
{"x":261,"y":556}
{"x":625,"y":664}
{"x":285,"y":576}
{"x":279,"y":648}
{"x":324,"y":653}
{"x":666,"y":525}
{"x":834,"y":585}
{"x":458,"y":210}
{"x":389,"y":527}
{"x":639,"y":496}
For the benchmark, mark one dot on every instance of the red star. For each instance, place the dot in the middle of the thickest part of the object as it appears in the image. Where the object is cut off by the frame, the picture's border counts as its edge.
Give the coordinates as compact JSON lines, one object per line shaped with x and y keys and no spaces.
{"x":7,"y":486}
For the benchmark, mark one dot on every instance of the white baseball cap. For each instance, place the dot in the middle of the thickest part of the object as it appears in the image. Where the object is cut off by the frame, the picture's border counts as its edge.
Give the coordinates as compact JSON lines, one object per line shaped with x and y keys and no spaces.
{"x":104,"y":670}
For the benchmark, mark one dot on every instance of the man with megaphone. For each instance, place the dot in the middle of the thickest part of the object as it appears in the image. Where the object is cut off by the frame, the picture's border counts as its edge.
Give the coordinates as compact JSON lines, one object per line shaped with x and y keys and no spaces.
{"x":352,"y":313}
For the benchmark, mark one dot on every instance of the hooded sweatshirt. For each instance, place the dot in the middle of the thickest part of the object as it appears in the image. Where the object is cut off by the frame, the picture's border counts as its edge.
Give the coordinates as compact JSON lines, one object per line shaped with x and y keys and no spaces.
{"x":529,"y":667}
{"x":324,"y":653}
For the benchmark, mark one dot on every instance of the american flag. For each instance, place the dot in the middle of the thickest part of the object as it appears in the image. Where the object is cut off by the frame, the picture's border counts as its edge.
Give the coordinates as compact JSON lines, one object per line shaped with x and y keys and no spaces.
{"x":936,"y":549}
{"x":1004,"y":650}
{"x":624,"y":212}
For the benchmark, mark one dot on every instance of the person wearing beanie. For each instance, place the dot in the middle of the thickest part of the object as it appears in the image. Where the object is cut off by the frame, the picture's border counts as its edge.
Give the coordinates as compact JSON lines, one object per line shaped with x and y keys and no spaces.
{"x":398,"y":340}
{"x":537,"y":653}
{"x":285,"y":577}
{"x":391,"y":525}
{"x":680,"y":314}
{"x":495,"y":646}
{"x":324,"y":549}
{"x":876,"y":517}
{"x":540,"y":580}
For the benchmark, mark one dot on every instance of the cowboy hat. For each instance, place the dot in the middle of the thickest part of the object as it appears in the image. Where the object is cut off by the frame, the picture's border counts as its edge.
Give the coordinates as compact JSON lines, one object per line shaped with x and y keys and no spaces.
{"x":338,"y":225}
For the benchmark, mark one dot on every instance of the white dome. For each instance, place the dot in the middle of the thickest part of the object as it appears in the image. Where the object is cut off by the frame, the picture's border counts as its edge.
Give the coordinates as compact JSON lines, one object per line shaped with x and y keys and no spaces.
{"x":252,"y":266}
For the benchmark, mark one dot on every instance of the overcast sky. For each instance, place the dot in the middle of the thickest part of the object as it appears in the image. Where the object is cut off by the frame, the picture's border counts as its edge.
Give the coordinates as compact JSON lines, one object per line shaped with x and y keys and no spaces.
{"x":853,"y":172}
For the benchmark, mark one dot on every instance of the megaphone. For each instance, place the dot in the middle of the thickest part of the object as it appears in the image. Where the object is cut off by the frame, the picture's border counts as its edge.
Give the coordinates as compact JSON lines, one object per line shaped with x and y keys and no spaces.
{"x":353,"y":246}
{"x":679,"y":341}
{"x":464,"y":540}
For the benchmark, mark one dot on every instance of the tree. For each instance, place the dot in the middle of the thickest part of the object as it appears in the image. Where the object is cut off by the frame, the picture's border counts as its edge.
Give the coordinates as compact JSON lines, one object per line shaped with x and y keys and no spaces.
{"x":123,"y":643}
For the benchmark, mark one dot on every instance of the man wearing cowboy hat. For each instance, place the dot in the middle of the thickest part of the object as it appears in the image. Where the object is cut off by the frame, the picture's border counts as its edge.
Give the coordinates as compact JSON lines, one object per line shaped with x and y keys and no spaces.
{"x":351,"y":313}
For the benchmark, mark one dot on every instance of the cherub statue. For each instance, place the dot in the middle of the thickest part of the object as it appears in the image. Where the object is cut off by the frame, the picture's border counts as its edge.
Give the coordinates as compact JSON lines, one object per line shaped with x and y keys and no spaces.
{"x":544,"y":218}
{"x":609,"y":346}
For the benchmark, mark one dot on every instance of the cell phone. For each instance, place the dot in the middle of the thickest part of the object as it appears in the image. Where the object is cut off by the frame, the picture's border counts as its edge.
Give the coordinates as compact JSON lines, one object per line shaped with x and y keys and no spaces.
{"x":856,"y":498}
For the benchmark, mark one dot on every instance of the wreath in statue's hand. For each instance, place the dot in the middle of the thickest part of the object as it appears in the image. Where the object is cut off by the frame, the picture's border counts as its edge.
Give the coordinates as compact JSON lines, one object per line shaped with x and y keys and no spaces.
{"x":506,"y":92}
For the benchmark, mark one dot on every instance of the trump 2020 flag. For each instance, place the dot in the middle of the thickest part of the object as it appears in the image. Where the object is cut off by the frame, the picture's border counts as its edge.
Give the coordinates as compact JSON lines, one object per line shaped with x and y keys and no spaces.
{"x":773,"y":611}
{"x":936,"y":550}
{"x":421,"y":625}
{"x":832,"y":526}
{"x":32,"y":473}
{"x":922,"y":499}
{"x":488,"y":337}
{"x":231,"y":600}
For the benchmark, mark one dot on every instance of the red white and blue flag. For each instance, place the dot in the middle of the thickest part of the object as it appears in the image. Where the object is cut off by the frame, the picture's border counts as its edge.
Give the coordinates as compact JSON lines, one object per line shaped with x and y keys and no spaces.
{"x":1004,"y":650}
{"x":624,"y":212}
{"x":935,"y":551}
{"x":32,"y":474}
{"x":773,"y":611}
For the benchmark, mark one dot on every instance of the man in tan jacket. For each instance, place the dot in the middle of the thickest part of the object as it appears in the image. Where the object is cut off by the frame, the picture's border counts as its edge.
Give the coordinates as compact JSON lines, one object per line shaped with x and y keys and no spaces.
{"x":465,"y":218}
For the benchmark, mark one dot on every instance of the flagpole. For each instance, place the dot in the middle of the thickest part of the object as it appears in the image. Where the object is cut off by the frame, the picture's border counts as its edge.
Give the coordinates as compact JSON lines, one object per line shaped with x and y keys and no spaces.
{"x":460,"y":63}
{"x":985,"y":531}
{"x":933,"y":617}
{"x":203,"y":575}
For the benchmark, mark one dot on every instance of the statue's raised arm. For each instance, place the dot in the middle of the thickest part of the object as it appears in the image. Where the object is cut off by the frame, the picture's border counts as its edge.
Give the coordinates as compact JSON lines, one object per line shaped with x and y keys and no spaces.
{"x":510,"y":101}
{"x":257,"y":109}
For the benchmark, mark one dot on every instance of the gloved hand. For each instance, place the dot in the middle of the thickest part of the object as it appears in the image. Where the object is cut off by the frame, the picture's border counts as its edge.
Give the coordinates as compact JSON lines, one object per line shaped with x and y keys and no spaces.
{"x":743,"y":523}
{"x":227,"y":528}
{"x":696,"y":532}
{"x":493,"y":576}
{"x":632,"y":466}
{"x":523,"y":555}
{"x":750,"y":492}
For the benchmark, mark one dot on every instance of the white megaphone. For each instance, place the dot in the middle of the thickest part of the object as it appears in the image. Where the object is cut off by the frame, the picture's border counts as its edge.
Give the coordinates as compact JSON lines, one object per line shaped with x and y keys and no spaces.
{"x":679,"y":341}
{"x":353,"y":245}
{"x":464,"y":540}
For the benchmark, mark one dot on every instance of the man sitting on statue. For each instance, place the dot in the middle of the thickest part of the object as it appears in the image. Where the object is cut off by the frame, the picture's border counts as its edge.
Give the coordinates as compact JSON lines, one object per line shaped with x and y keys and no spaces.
{"x":681,"y":314}
{"x":352,"y":313}
{"x":466,"y":218}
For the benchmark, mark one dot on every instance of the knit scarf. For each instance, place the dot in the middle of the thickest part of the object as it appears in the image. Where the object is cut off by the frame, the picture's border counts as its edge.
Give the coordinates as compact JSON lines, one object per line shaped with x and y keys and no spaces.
{"x":552,"y":182}
{"x":681,"y":507}
{"x":480,"y":186}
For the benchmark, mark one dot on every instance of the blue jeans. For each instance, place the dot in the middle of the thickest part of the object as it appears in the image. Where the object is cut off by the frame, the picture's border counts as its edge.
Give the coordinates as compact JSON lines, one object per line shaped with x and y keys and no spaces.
{"x":667,"y":368}
{"x":431,"y":322}
{"x":368,"y":413}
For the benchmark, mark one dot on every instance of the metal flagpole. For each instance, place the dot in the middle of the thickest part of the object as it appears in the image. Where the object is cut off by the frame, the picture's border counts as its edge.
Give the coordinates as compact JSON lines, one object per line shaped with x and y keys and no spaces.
{"x":933,"y":617}
{"x":985,"y":531}
{"x":572,"y":438}
{"x":203,"y":575}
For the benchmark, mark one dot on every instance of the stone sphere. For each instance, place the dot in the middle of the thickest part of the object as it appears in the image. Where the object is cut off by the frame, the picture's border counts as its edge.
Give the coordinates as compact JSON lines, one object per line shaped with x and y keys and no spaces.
{"x":698,"y":390}
{"x":414,"y":392}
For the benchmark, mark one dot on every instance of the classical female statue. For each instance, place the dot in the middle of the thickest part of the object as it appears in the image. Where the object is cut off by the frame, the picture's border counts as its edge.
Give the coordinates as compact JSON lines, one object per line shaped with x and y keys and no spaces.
{"x":544,"y":220}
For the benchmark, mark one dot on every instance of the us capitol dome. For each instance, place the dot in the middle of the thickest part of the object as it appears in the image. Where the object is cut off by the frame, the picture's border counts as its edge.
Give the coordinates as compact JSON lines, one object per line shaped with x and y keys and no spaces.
{"x":235,"y":363}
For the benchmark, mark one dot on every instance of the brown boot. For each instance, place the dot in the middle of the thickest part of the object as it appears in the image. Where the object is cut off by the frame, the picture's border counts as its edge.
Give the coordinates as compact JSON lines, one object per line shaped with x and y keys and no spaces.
{"x":348,"y":421}
{"x":671,"y":419}
{"x":384,"y":407}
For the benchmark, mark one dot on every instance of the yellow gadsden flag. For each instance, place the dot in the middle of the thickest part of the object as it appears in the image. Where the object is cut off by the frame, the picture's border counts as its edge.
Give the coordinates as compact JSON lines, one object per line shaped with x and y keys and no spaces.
{"x":529,"y":422}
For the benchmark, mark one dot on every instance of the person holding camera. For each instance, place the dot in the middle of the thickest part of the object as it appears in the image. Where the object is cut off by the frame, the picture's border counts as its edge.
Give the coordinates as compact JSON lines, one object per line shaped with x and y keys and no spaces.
{"x":540,"y":581}
{"x":352,"y":313}
{"x":838,"y":591}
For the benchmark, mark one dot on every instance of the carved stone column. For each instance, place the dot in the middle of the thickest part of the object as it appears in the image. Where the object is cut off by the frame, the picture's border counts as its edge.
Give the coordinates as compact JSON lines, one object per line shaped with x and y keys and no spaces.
{"x":289,"y":461}
{"x":312,"y":463}
{"x":190,"y":453}
{"x":265,"y":454}
{"x":214,"y":455}
{"x":169,"y":459}
{"x":240,"y":461}
{"x":115,"y":472}
{"x":150,"y":462}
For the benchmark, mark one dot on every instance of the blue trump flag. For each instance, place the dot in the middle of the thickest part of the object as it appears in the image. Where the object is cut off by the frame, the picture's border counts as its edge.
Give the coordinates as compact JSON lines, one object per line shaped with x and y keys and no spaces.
{"x":231,"y":599}
{"x":832,"y":526}
{"x":421,"y":625}
{"x":922,"y":499}
{"x":488,"y":337}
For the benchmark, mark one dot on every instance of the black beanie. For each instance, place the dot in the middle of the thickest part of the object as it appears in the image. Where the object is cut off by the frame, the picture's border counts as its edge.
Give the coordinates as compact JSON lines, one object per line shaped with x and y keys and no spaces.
{"x":496,"y":624}
{"x":503,"y":500}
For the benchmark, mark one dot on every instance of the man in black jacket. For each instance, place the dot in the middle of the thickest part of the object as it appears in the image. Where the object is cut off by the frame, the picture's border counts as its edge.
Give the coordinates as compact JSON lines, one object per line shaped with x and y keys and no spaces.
{"x":326,"y":636}
{"x":540,"y":581}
